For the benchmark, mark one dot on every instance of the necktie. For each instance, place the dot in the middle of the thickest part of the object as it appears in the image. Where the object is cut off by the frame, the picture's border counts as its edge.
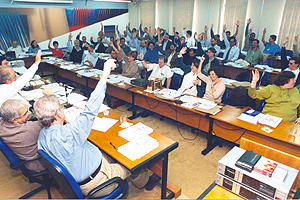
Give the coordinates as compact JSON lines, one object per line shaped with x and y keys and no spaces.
{"x":226,"y":57}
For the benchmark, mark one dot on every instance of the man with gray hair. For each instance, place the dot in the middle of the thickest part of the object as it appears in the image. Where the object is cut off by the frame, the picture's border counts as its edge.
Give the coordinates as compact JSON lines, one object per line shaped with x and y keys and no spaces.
{"x":10,"y":85}
{"x":76,"y":52}
{"x":20,"y":134}
{"x":69,"y":143}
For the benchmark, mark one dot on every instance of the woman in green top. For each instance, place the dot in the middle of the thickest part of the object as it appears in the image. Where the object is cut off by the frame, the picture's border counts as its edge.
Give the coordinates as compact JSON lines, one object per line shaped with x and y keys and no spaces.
{"x":282,"y":99}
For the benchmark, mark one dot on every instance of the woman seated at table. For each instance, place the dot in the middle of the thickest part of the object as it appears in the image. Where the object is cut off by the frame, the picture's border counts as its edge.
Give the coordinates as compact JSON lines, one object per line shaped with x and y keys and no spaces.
{"x":34,"y":47}
{"x":282,"y":99}
{"x":130,"y":68}
{"x":58,"y":53}
{"x":215,"y":88}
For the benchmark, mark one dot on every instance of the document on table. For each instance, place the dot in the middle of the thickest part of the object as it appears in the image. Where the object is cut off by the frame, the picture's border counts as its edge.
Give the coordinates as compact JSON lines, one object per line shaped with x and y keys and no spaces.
{"x":81,"y":104}
{"x":20,"y":70}
{"x":71,"y":113}
{"x":135,"y":132}
{"x":32,"y":94}
{"x":103,"y":123}
{"x":116,"y":79}
{"x":75,"y":98}
{"x":138,"y":148}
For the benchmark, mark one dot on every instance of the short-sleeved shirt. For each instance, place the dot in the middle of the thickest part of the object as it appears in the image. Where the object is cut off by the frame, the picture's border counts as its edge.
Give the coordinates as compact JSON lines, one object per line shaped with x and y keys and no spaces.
{"x":271,"y":49}
{"x":157,"y":72}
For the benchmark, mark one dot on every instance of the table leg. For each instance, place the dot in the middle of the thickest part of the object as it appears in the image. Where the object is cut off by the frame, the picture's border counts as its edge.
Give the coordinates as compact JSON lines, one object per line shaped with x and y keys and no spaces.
{"x":210,"y":144}
{"x":164,"y":176}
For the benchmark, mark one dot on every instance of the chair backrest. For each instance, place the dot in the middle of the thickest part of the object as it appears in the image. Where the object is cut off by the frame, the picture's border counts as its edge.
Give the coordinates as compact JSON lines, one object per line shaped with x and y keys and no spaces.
{"x":289,"y":53}
{"x":65,"y":180}
{"x":262,"y":105}
{"x":264,"y":78}
{"x":225,"y":96}
{"x":175,"y":81}
{"x":243,"y":76}
{"x":9,"y":154}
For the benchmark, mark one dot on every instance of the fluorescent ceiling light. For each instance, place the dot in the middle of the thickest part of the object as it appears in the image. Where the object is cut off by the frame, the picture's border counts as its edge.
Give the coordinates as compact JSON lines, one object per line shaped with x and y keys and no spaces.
{"x":120,"y":1}
{"x":46,"y":1}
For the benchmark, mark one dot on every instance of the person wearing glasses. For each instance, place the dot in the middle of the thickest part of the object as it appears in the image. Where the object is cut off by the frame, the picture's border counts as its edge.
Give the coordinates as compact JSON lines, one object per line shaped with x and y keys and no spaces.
{"x":282,"y":99}
{"x":254,"y":54}
{"x":292,"y":64}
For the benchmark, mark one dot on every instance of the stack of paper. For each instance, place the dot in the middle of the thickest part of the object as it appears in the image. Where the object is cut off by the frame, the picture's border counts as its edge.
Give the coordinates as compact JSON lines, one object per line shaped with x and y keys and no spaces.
{"x":251,"y":116}
{"x":169,"y":93}
{"x":270,"y":120}
{"x":103,"y":123}
{"x":75,"y":98}
{"x":136,"y":149}
{"x":32,"y":94}
{"x":71,"y":113}
{"x":135,"y":132}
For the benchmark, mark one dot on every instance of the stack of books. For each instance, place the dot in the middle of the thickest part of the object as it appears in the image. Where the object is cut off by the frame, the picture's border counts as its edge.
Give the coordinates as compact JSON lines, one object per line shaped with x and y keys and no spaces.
{"x":251,"y":116}
{"x":248,"y":160}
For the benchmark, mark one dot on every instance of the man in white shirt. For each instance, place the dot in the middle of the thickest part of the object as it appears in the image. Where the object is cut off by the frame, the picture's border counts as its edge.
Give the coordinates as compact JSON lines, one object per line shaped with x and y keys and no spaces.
{"x":232,"y":52}
{"x":190,"y":80}
{"x":16,"y":48}
{"x":190,"y":41}
{"x":160,"y":70}
{"x":91,"y":57}
{"x":10,"y":85}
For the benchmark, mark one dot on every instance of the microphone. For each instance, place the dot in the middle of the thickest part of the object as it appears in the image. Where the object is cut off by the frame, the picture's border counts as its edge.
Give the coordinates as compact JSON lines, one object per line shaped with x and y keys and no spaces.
{"x":179,"y":101}
{"x":68,"y":105}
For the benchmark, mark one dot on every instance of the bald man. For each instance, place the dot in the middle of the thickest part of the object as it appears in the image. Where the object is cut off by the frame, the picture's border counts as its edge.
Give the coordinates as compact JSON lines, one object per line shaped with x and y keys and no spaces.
{"x":9,"y":85}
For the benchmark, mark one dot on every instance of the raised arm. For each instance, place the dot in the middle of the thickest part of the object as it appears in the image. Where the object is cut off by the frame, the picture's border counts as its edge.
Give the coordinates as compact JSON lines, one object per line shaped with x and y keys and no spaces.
{"x":141,"y":29}
{"x":247,"y":42}
{"x":199,"y":72}
{"x":212,"y":35}
{"x":263,"y":36}
{"x":237,"y":28}
{"x":205,"y":32}
{"x":69,"y":46}
{"x":143,"y":61}
{"x":284,"y":61}
{"x":247,"y":27}
{"x":295,"y":47}
{"x":255,"y":78}
{"x":226,"y":42}
{"x":49,"y":42}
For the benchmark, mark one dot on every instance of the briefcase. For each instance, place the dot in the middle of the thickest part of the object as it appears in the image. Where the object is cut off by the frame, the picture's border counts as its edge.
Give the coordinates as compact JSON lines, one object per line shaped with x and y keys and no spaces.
{"x":140,"y":82}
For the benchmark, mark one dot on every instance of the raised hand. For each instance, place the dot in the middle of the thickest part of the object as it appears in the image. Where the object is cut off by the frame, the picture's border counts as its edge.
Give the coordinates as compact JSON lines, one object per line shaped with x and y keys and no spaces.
{"x":141,"y":56}
{"x":92,"y":38}
{"x":211,"y":26}
{"x":174,"y":29}
{"x":141,"y":21}
{"x":205,"y":28}
{"x":184,"y":27}
{"x":237,"y":23}
{"x":248,"y":21}
{"x":117,"y":27}
{"x":70,"y":36}
{"x":264,"y":31}
{"x":160,"y":40}
{"x":79,"y":33}
{"x":224,"y":28}
{"x":255,"y":76}
{"x":250,"y":31}
{"x":285,"y":41}
{"x":118,"y":42}
{"x":182,"y":51}
{"x":296,"y":38}
{"x":202,"y":59}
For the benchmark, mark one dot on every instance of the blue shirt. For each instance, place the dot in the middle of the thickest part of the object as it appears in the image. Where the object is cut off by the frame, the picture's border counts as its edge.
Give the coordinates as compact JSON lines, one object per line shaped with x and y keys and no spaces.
{"x":135,"y":43}
{"x":271,"y":49}
{"x":152,"y":56}
{"x":69,"y":144}
{"x":32,"y":50}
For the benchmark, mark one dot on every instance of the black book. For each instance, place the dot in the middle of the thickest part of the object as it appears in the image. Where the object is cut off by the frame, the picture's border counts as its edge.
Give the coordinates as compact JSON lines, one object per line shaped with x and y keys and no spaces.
{"x":248,"y":160}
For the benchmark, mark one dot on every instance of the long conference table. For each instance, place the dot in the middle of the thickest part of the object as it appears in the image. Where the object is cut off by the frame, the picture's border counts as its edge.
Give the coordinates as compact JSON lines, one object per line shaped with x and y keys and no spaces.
{"x":223,"y":125}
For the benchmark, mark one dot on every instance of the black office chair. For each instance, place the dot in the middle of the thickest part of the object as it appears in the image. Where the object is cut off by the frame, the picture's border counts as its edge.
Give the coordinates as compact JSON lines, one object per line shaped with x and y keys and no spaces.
{"x":225,"y":96}
{"x":264,"y":78}
{"x":16,"y":163}
{"x":262,"y":105}
{"x":243,"y":76}
{"x":175,"y":81}
{"x":70,"y":187}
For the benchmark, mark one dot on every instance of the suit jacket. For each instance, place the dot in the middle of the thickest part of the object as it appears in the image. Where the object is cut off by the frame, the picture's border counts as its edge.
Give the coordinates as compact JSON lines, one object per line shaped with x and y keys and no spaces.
{"x":169,"y":42}
{"x":80,"y":43}
{"x":101,"y":48}
{"x":167,"y":53}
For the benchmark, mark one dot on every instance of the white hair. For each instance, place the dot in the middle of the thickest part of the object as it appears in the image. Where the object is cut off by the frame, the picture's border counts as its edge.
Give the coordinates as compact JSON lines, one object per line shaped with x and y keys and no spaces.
{"x":10,"y":109}
{"x":45,"y":109}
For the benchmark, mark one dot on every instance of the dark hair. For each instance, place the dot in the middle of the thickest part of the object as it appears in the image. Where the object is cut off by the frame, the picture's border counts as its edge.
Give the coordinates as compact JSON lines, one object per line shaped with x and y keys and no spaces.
{"x":150,"y":43}
{"x":252,"y":34}
{"x":31,"y":44}
{"x":189,"y":32}
{"x":212,"y":50}
{"x":256,"y":41}
{"x":273,"y":37}
{"x":217,"y":35}
{"x":92,"y":46}
{"x":177,"y":33}
{"x":1,"y":59}
{"x":193,"y":50}
{"x":283,"y":78}
{"x":196,"y":62}
{"x":122,"y":38}
{"x":55,"y":42}
{"x":232,"y":38}
{"x":217,"y":71}
{"x":228,"y":32}
{"x":100,"y":38}
{"x":83,"y":37}
{"x":134,"y":29}
{"x":112,"y":37}
{"x":297,"y":61}
{"x":132,"y":54}
{"x":182,"y":37}
{"x":163,"y":57}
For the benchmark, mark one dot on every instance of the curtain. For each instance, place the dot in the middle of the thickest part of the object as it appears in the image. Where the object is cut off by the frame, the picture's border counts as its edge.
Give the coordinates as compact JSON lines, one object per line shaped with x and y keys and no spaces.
{"x":236,"y":10}
{"x":290,"y":24}
{"x":147,"y":14}
{"x":13,"y":27}
{"x":183,"y":14}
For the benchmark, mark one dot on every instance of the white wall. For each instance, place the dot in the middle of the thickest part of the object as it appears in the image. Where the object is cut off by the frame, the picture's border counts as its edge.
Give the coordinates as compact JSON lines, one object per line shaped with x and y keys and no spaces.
{"x":89,"y":31}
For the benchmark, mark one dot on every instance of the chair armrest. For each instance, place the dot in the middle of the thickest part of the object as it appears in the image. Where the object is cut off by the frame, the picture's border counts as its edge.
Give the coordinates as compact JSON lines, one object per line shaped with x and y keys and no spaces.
{"x":117,"y":180}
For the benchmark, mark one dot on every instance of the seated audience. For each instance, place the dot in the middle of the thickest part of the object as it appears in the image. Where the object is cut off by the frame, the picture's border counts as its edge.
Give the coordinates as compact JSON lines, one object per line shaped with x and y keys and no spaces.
{"x":130,"y":68}
{"x":254,"y":55}
{"x":10,"y":85}
{"x":166,"y":43}
{"x":19,"y":134}
{"x":69,"y":143}
{"x":232,"y":52}
{"x":76,"y":52}
{"x":216,"y":37}
{"x":151,"y":56}
{"x":123,"y":45}
{"x":175,"y":38}
{"x":213,"y":43}
{"x":251,"y":37}
{"x":34,"y":47}
{"x":139,"y":45}
{"x":282,"y":99}
{"x":171,"y":53}
{"x":90,"y":58}
{"x":126,"y":36}
{"x":99,"y":46}
{"x":58,"y":53}
{"x":290,"y":65}
{"x":16,"y":48}
{"x":189,"y":57}
{"x":228,"y":35}
{"x":160,"y":70}
{"x":143,"y":32}
{"x":181,"y":44}
{"x":215,"y":88}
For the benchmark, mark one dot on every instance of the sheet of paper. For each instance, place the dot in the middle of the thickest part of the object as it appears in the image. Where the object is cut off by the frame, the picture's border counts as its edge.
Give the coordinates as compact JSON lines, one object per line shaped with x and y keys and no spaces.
{"x":20,"y":70}
{"x":71,"y":113}
{"x":32,"y":94}
{"x":136,"y":131}
{"x":138,"y":148}
{"x":103,"y":123}
{"x":75,"y":98}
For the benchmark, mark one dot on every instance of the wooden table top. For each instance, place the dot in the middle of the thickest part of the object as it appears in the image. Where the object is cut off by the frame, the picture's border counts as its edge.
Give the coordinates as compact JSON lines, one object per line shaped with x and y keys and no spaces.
{"x":103,"y":139}
{"x":229,"y":115}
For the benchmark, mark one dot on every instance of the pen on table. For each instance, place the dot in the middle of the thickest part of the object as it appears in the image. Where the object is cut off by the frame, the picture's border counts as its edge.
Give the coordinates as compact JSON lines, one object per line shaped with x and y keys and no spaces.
{"x":112,"y":145}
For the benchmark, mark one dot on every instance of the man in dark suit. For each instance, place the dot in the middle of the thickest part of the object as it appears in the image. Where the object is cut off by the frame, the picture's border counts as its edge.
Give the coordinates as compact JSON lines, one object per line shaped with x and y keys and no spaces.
{"x":82,"y":42}
{"x":170,"y":53}
{"x":166,"y":43}
{"x":99,"y":46}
